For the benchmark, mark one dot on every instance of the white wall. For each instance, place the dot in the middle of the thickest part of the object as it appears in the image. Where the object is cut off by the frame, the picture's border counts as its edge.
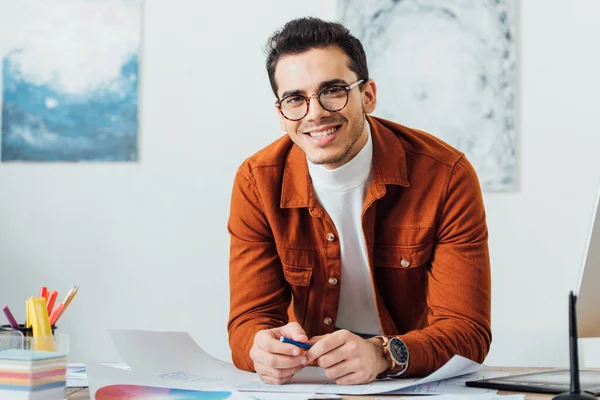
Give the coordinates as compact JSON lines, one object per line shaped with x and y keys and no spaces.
{"x":147,"y":242}
{"x":538,"y":234}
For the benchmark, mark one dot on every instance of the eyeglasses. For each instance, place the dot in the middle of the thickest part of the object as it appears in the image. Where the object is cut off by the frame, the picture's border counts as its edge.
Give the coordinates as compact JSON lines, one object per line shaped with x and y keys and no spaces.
{"x":332,"y":98}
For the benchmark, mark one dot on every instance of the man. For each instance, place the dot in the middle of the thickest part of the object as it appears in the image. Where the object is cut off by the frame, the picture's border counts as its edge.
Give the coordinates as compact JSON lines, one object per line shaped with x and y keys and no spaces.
{"x":374,"y":232}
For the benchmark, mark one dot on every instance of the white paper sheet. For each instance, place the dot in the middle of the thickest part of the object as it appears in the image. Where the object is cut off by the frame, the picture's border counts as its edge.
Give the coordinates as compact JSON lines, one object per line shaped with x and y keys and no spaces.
{"x":100,"y":376}
{"x":312,"y":379}
{"x":462,"y":397}
{"x":77,"y":373}
{"x":291,"y":396}
{"x":453,"y":385}
{"x":176,"y":357}
{"x":174,"y":360}
{"x":164,"y":352}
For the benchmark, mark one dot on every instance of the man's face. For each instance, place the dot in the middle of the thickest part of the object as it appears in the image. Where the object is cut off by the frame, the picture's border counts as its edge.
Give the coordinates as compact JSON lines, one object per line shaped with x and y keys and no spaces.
{"x":328,"y":138}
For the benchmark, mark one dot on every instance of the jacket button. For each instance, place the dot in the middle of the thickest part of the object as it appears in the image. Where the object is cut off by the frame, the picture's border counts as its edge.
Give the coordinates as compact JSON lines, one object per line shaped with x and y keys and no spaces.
{"x":405,"y":263}
{"x":327,"y":321}
{"x":333,"y":280}
{"x":330,"y":237}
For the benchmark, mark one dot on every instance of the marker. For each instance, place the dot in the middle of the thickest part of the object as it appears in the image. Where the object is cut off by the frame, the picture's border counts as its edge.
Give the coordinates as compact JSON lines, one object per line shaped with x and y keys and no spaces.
{"x":11,"y":319}
{"x":304,"y":346}
{"x":51,"y":301}
{"x":42,"y":333}
{"x":28,"y":312}
{"x":56,"y":313}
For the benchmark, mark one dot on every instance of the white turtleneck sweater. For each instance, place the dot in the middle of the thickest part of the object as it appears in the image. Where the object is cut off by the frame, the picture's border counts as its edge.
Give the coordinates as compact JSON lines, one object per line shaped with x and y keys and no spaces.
{"x":341,"y":192}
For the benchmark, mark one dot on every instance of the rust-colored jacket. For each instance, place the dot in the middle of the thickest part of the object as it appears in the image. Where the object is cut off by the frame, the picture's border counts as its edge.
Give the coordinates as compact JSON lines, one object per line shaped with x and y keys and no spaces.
{"x":427,"y":241}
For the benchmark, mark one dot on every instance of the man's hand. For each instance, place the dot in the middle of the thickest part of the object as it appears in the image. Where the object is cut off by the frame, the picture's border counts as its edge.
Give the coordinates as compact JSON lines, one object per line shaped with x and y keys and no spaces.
{"x":274,"y":361}
{"x":347,"y":358}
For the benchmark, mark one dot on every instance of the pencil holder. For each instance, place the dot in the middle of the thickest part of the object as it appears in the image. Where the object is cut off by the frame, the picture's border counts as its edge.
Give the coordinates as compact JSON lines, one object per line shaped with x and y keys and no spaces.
{"x":26,"y":332}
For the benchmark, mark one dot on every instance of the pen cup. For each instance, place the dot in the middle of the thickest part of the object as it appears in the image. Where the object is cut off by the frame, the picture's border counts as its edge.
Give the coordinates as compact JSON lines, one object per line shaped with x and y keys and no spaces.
{"x":26,"y":332}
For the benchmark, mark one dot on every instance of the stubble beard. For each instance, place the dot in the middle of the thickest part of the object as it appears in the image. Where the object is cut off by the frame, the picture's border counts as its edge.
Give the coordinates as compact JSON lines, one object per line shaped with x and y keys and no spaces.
{"x":340,"y":158}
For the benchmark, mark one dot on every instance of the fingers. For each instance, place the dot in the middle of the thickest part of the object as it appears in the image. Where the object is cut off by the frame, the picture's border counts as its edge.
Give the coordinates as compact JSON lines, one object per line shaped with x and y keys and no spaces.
{"x":327,"y":344}
{"x":349,"y":373}
{"x":344,"y":352}
{"x":269,"y":342}
{"x":274,"y":381}
{"x":315,"y":339}
{"x":275,"y":376}
{"x":339,"y":370}
{"x":354,"y":378}
{"x":277,"y":361}
{"x":294,"y":331}
{"x":347,"y":358}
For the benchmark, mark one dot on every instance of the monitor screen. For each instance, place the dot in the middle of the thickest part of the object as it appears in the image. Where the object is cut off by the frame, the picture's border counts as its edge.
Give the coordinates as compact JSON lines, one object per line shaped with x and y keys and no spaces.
{"x":586,"y":378}
{"x":588,"y":296}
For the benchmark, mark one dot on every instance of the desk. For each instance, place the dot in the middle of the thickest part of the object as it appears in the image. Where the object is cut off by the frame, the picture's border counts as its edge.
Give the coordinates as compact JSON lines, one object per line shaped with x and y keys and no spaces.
{"x":83,"y":394}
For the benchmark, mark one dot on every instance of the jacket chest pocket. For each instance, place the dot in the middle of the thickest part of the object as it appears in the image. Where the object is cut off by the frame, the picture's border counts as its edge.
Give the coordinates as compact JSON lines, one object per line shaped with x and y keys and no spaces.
{"x":402,"y":274}
{"x":298,"y":266}
{"x":297,"y":276}
{"x":402,"y":257}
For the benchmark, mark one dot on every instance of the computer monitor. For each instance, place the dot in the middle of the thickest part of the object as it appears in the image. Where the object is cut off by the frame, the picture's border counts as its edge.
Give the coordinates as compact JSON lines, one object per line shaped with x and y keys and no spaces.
{"x":588,"y":296}
{"x":583,"y":307}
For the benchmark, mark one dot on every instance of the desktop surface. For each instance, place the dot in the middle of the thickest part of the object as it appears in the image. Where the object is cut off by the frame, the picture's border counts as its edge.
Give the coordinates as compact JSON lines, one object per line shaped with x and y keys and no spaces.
{"x":83,"y":394}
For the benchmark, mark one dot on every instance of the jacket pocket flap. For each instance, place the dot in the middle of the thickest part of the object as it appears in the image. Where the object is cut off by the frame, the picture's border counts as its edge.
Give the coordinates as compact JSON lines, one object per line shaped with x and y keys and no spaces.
{"x":401,"y":256}
{"x":297,"y":275}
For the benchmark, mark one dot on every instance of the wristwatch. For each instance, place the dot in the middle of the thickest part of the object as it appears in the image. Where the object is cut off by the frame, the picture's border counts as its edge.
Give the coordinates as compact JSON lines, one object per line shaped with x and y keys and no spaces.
{"x":396,"y":352}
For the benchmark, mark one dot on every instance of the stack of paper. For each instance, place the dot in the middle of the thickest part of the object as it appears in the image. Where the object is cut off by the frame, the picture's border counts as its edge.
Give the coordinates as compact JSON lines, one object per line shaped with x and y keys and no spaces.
{"x":173,"y":360}
{"x":463,"y":397}
{"x":32,"y":375}
{"x":77,"y":374}
{"x":454,"y":386}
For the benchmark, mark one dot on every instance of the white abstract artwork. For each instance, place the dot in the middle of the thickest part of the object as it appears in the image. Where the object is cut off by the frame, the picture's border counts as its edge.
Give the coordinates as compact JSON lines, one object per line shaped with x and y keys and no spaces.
{"x":446,"y":67}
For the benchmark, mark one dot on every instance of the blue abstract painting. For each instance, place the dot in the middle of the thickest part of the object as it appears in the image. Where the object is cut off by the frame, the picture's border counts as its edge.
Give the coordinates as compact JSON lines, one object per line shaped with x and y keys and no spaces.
{"x":70,"y":81}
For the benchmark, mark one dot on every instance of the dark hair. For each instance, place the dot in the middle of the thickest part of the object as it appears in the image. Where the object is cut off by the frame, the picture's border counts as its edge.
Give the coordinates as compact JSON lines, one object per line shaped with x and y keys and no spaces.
{"x":303,"y":34}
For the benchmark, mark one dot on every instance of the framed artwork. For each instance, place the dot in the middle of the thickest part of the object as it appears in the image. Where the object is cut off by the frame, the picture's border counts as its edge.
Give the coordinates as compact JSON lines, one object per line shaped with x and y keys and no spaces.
{"x":70,"y":72}
{"x":446,"y":67}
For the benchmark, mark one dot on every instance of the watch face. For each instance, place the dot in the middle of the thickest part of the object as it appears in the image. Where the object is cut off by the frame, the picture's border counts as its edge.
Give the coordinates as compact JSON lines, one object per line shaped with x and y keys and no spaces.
{"x":398,"y":351}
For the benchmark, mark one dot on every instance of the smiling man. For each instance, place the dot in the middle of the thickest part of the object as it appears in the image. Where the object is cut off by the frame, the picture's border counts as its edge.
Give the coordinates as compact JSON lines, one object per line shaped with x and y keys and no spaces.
{"x":369,"y":236}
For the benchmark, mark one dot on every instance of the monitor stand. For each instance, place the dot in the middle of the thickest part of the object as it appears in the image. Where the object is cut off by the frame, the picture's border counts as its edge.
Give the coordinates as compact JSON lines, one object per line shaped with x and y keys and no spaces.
{"x":575,"y":392}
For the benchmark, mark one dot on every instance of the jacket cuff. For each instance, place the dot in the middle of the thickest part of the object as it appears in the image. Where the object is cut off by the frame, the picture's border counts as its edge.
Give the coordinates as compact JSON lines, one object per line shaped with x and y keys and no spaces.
{"x":247,"y":363}
{"x":419,"y":356}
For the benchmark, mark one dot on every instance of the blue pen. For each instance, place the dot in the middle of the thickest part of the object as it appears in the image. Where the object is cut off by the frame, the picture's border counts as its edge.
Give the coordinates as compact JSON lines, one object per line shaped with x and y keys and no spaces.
{"x":304,"y":346}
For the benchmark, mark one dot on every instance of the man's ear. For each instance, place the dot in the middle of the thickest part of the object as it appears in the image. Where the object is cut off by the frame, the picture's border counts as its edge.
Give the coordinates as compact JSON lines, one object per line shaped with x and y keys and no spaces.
{"x":369,"y":96}
{"x":281,"y":120}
